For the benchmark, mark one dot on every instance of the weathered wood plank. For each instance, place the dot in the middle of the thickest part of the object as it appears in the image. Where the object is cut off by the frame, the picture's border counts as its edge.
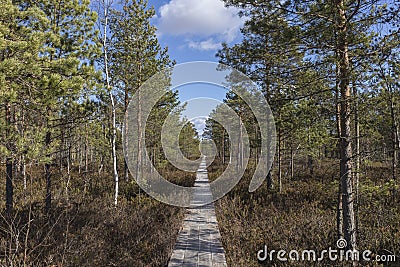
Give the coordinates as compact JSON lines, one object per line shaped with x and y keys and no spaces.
{"x":198,"y":242}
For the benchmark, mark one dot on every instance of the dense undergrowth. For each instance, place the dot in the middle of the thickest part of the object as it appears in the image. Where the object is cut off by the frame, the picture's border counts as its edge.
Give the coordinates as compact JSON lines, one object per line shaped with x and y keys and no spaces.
{"x":86,"y":229}
{"x":303,"y":216}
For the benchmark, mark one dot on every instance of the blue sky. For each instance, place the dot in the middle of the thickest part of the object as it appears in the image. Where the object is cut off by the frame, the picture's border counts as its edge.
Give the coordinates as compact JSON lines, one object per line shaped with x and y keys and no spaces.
{"x":193,"y":30}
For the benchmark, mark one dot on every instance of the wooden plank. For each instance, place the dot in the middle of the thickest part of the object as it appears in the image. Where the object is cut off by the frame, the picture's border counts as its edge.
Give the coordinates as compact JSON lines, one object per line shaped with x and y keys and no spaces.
{"x":199,"y":241}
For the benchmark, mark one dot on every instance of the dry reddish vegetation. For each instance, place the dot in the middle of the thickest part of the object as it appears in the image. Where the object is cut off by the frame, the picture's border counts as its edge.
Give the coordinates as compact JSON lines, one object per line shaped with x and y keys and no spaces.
{"x":303,"y":216}
{"x":87,"y":230}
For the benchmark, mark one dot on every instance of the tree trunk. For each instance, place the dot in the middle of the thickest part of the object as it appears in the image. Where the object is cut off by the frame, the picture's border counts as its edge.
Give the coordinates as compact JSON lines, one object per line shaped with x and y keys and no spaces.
{"x":239,"y":152}
{"x":23,"y":163}
{"x":139,"y":165}
{"x":345,"y":117}
{"x":339,"y":210}
{"x":114,"y":150}
{"x":279,"y":160}
{"x":9,"y":185}
{"x":113,"y":130}
{"x":270,"y":181}
{"x":223,"y":146}
{"x":394,"y":134}
{"x":47,"y":167}
{"x":358,"y":156}
{"x":62,"y":144}
{"x":9,"y":164}
{"x":68,"y":173}
{"x":126,"y":103}
{"x":24,"y":172}
{"x":86,"y":150}
{"x":80,"y":152}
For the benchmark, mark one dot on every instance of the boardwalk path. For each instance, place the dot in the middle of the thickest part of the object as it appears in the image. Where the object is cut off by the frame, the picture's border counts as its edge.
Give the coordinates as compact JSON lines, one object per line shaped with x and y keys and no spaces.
{"x":198,"y":242}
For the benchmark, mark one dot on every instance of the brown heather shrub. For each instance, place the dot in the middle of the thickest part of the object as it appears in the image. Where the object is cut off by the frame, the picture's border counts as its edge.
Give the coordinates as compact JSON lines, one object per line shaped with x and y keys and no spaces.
{"x":88,"y":230}
{"x":302,"y":217}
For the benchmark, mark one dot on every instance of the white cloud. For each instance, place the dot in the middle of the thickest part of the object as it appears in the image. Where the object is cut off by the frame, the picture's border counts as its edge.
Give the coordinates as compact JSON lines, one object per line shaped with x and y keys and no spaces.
{"x":209,"y":44}
{"x":206,"y":22}
{"x":199,"y":124}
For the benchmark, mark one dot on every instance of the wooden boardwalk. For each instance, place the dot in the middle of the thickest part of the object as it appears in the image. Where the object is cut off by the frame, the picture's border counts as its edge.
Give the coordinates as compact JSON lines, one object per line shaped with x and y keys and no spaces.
{"x":198,"y":242}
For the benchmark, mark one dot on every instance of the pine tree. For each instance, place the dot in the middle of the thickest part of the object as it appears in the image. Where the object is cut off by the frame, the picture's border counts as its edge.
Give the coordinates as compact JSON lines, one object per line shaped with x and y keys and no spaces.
{"x":67,"y":63}
{"x":20,"y":68}
{"x":189,"y":141}
{"x":270,"y":55}
{"x":135,"y":54}
{"x":331,"y":35}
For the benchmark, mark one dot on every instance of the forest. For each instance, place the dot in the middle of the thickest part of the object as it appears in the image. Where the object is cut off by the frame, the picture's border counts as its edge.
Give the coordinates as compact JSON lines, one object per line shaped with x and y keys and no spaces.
{"x":329,"y":70}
